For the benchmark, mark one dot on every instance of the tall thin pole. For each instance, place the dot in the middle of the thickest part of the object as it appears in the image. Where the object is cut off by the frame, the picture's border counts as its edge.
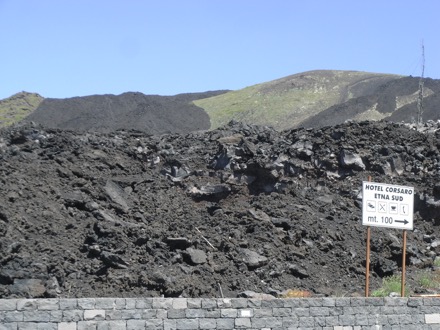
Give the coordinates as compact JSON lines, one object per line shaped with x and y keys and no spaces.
{"x":420,"y":97}
{"x":402,"y":293}
{"x":367,"y":271}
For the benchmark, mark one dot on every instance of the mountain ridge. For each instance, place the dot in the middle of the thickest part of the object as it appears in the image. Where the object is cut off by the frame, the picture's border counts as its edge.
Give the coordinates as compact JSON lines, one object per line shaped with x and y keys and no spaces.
{"x":309,"y":99}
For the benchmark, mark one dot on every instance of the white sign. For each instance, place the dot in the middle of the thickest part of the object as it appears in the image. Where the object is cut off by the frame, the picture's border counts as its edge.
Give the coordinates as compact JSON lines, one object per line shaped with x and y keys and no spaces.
{"x":386,"y":205}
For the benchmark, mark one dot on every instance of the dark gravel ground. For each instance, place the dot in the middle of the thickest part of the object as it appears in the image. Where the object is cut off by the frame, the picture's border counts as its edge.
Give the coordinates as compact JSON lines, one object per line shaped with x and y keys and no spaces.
{"x":151,"y":114}
{"x":244,"y":208}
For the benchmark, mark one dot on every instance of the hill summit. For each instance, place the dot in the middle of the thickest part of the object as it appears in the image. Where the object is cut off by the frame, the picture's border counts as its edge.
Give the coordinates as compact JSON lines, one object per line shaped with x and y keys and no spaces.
{"x":324,"y":97}
{"x":310,"y":99}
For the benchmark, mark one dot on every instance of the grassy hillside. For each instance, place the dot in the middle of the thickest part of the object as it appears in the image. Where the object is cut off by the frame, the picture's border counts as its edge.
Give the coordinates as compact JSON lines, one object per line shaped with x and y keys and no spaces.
{"x":17,"y":107}
{"x":286,"y":102}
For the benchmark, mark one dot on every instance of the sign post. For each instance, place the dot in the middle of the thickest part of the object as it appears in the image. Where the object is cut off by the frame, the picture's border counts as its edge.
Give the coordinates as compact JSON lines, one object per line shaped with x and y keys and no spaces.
{"x":390,"y":206}
{"x":367,"y":265}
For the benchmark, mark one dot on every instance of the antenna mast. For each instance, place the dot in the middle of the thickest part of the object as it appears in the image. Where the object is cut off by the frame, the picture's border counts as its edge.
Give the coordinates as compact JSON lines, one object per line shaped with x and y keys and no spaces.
{"x":420,"y":98}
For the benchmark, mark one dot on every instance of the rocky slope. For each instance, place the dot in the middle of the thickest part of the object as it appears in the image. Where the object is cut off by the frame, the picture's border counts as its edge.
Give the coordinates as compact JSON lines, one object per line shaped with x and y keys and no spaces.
{"x":151,"y":114}
{"x":289,"y":101}
{"x":244,"y":208}
{"x":17,"y":107}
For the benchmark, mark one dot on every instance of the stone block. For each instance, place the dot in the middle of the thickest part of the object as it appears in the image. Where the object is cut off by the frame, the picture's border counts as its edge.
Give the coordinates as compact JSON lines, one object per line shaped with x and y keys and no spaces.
{"x":342,"y":302}
{"x":194,"y":303}
{"x":245,"y":312}
{"x":272,"y":303}
{"x":68,"y":303}
{"x":431,"y":301}
{"x":290,"y":322}
{"x":315,"y":302}
{"x":415,"y":302}
{"x":111,"y":325}
{"x":27,"y":304}
{"x":301,"y":312}
{"x":429,"y":309}
{"x":347,"y":320}
{"x":405,"y":319}
{"x":149,"y":313}
{"x":254,"y":303}
{"x":161,"y":314}
{"x":432,"y":318}
{"x":207,"y":324}
{"x":162,"y":303}
{"x":243,"y":322}
{"x":56,"y":316}
{"x":263,"y":312}
{"x":36,"y":316}
{"x":169,"y":324}
{"x":11,"y":316}
{"x":47,"y":326}
{"x":87,"y":325}
{"x":209,"y":303}
{"x":86,"y":303}
{"x":180,"y":303}
{"x":113,"y":314}
{"x":73,"y":315}
{"x":105,"y":303}
{"x":212,"y":313}
{"x":27,"y":325}
{"x":239,"y":303}
{"x":194,"y":313}
{"x":328,"y":302}
{"x":274,"y":322}
{"x":306,"y":322}
{"x":335,"y":311}
{"x":319,"y":321}
{"x":319,"y":311}
{"x":296,"y":303}
{"x":390,"y":301}
{"x":130,"y":303}
{"x":67,"y":326}
{"x":224,"y":303}
{"x":94,"y":314}
{"x":176,"y":314}
{"x":225,"y":323}
{"x":135,"y":324}
{"x":357,"y":301}
{"x":8,"y":326}
{"x":387,"y":310}
{"x":48,"y":304}
{"x":186,"y":324}
{"x":143,"y":303}
{"x":228,"y":313}
{"x":258,"y":323}
{"x":362,"y":319}
{"x":120,"y":303}
{"x":331,"y":321}
{"x":130,"y":314}
{"x":8,"y":304}
{"x":282,"y":311}
{"x":375,"y":301}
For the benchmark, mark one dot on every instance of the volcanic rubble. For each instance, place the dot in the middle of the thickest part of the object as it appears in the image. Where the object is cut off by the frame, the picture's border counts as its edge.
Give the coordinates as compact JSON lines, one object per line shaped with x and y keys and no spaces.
{"x":240,"y":210}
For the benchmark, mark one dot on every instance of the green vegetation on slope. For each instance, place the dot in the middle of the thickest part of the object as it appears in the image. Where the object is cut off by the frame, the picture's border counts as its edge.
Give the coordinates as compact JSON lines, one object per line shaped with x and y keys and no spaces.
{"x":286,"y":102}
{"x":17,"y":107}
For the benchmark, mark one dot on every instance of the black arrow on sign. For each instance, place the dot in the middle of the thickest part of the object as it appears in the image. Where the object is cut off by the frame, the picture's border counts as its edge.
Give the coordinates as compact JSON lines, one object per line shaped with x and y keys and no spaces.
{"x":402,"y":221}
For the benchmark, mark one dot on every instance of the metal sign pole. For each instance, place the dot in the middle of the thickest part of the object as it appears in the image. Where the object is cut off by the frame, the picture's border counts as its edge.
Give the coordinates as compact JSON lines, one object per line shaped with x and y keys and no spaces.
{"x":367,"y":271}
{"x":402,"y":293}
{"x":388,"y":206}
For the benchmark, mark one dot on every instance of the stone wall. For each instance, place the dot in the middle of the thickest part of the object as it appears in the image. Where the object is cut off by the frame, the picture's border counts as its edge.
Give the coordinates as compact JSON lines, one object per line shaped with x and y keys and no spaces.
{"x":204,"y":313}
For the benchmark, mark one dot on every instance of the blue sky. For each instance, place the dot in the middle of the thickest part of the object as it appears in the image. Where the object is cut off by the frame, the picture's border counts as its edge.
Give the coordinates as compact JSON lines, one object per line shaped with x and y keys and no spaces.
{"x":66,"y":48}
